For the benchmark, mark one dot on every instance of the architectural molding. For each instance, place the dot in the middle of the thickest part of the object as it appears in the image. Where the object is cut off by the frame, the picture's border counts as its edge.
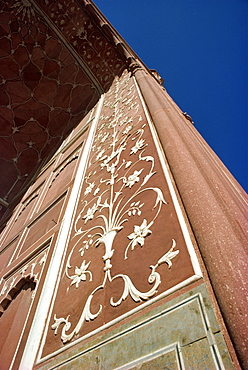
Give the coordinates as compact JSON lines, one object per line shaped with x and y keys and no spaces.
{"x":51,"y":280}
{"x":220,"y":234}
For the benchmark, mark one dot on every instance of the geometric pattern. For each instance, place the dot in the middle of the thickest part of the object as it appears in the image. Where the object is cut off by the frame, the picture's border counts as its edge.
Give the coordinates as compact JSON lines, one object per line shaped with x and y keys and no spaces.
{"x":54,"y":64}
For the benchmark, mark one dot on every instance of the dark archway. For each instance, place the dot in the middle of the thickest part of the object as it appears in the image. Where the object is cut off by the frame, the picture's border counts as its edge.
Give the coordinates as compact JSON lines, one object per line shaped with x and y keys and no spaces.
{"x":14,"y":313}
{"x":55,"y":63}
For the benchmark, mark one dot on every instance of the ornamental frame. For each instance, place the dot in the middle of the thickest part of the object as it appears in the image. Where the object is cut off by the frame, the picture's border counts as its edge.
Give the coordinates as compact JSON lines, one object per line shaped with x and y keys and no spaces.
{"x":119,"y":153}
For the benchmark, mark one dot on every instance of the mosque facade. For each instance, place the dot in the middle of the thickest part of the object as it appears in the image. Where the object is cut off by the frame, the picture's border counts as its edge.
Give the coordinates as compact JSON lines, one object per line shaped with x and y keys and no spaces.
{"x":123,"y":234}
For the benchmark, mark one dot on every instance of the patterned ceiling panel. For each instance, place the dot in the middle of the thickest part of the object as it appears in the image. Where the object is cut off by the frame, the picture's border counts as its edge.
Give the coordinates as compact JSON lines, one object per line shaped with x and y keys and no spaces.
{"x":54,"y":64}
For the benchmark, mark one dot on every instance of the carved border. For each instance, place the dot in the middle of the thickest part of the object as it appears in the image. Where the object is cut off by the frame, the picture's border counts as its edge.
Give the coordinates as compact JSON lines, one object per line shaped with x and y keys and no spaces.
{"x":39,"y":328}
{"x":172,"y":347}
{"x":185,"y":226}
{"x":181,"y":305}
{"x":30,"y":270}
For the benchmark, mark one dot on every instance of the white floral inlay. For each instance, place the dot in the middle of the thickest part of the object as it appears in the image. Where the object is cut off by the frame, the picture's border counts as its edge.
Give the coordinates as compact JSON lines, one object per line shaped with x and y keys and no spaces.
{"x":116,"y":195}
{"x":81,"y":274}
{"x":139,"y":234}
{"x":138,"y":146}
{"x":132,"y":179}
{"x":89,"y":188}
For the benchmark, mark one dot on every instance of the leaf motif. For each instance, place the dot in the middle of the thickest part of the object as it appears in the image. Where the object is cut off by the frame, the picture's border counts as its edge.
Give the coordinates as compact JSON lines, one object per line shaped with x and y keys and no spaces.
{"x":147,"y":177}
{"x":167,"y":257}
{"x":128,"y":164}
{"x":79,"y":231}
{"x":105,"y":204}
{"x":59,"y":321}
{"x":136,"y":295}
{"x":160,"y":197}
{"x":148,"y":158}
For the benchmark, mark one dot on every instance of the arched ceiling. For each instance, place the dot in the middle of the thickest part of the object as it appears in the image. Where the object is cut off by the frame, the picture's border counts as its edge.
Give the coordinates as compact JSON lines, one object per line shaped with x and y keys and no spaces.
{"x":56,"y":58}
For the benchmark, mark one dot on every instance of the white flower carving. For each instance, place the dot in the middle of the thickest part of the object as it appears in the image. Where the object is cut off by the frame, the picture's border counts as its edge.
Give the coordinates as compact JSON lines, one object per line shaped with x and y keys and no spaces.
{"x":89,"y":188}
{"x":114,"y":207}
{"x":128,"y":128}
{"x":128,"y":164}
{"x":90,"y":213}
{"x":109,"y":158}
{"x":86,"y":244}
{"x":81,"y":33}
{"x":59,"y":321}
{"x":111,"y":168}
{"x":132,"y":179}
{"x":96,"y":191}
{"x":80,"y":274}
{"x":104,"y":137}
{"x":139,"y":145}
{"x":139,"y":234}
{"x":100,"y":154}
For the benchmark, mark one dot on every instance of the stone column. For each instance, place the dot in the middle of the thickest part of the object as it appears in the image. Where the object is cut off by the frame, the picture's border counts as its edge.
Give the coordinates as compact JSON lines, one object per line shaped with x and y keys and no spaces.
{"x":215,"y":204}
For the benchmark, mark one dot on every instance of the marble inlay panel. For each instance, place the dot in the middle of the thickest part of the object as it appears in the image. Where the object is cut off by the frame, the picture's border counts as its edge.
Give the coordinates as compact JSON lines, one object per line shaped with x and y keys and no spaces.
{"x":126,"y":245}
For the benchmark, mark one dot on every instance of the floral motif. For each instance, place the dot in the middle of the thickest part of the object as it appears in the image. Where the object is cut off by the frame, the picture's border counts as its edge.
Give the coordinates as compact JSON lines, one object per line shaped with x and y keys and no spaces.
{"x":89,"y":188}
{"x":132,"y":179}
{"x":128,"y":128}
{"x":139,"y":234}
{"x":82,"y":33}
{"x":104,"y":137}
{"x":167,"y":257}
{"x":60,"y":321}
{"x":138,"y":146}
{"x":80,"y":274}
{"x":90,"y":213}
{"x":128,"y":164}
{"x":111,"y":168}
{"x":100,"y":154}
{"x":135,"y":208}
{"x":96,"y":191}
{"x":24,"y":7}
{"x":30,"y":271}
{"x":86,"y":244}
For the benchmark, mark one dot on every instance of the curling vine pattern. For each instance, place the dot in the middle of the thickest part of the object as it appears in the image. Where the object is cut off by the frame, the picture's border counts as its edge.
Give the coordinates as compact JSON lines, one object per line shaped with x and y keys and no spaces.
{"x":109,"y":201}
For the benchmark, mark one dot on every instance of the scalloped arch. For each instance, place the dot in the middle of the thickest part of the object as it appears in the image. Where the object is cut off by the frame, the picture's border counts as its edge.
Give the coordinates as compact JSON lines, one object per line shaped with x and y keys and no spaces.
{"x":23,"y":283}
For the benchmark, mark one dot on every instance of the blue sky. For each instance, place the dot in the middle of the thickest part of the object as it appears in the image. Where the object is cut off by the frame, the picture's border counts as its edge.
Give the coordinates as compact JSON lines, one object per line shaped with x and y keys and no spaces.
{"x":200,"y":48}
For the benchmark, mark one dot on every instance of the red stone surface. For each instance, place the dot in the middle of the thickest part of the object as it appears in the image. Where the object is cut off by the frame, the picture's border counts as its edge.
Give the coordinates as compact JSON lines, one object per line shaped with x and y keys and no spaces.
{"x":216,"y":206}
{"x":16,"y":315}
{"x":17,"y":292}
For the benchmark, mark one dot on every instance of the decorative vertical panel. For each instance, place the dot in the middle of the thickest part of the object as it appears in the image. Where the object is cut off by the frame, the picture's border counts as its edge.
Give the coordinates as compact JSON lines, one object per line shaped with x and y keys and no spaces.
{"x":18,"y":289}
{"x":127,"y":245}
{"x":41,"y":210}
